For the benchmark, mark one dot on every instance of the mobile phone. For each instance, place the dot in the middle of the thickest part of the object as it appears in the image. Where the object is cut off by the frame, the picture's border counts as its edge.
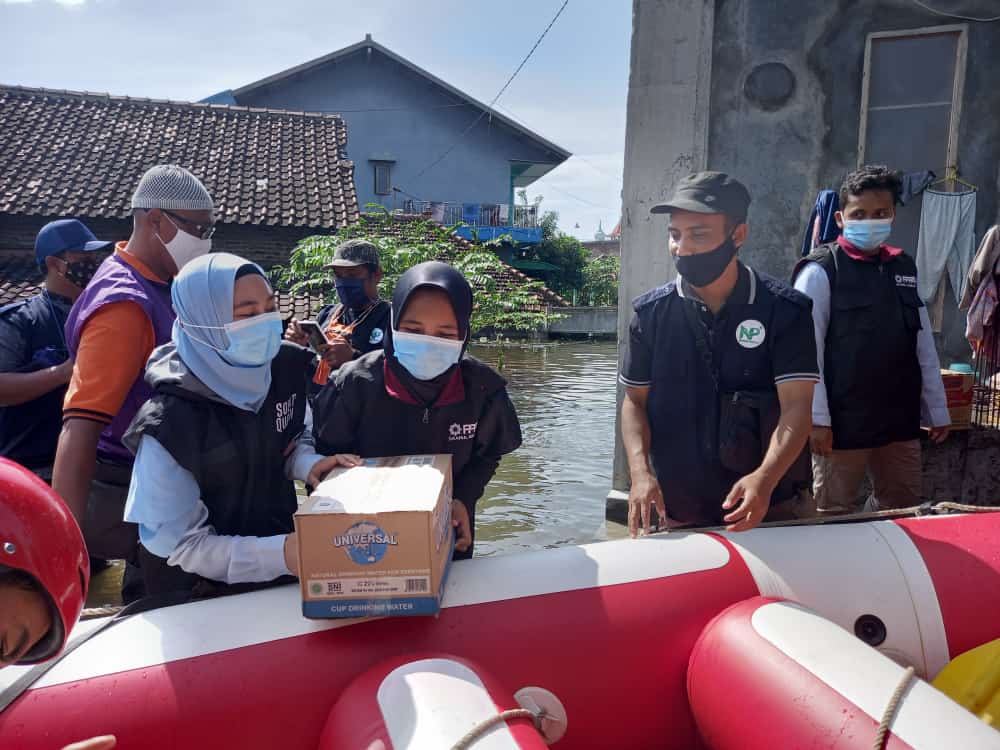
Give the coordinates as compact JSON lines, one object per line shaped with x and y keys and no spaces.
{"x":314,"y":332}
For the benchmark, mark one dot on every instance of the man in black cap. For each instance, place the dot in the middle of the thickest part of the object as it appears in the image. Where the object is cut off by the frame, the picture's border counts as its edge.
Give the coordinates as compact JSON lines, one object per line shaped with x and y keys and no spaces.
{"x":34,"y":361}
{"x":719,"y":370}
{"x":360,"y":323}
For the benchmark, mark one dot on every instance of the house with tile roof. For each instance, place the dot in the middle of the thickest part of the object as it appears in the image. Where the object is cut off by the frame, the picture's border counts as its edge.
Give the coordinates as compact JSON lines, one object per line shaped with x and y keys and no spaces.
{"x":276,"y":176}
{"x":418,"y":143}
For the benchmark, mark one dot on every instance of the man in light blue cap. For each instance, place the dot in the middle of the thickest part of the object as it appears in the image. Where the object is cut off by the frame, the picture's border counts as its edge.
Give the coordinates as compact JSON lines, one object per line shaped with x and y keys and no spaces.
{"x":34,"y":361}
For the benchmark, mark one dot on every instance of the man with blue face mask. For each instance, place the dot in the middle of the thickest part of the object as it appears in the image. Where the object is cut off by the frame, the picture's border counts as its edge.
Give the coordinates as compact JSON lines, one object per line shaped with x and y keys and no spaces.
{"x":360,"y":322}
{"x":881,"y":377}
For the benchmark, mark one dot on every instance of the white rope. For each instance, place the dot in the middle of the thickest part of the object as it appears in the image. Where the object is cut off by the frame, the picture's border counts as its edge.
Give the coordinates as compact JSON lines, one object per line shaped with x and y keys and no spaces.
{"x":890,"y":710}
{"x":486,"y":725}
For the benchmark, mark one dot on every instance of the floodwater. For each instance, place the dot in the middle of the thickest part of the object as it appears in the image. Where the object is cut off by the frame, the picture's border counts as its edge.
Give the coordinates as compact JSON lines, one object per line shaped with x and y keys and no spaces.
{"x":551,"y":491}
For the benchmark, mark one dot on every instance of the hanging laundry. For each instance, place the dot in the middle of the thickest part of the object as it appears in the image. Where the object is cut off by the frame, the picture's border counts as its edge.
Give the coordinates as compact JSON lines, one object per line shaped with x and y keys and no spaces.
{"x":437,"y":212}
{"x":822,"y":227}
{"x":504,"y":213}
{"x":470,"y":213}
{"x":984,"y":265}
{"x":946,"y":241}
{"x":914,"y":183}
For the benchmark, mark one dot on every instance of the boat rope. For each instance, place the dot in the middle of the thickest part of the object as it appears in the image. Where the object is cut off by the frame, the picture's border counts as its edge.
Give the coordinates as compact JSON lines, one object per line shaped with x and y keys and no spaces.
{"x":890,"y":710}
{"x":486,"y":725}
{"x":94,"y":612}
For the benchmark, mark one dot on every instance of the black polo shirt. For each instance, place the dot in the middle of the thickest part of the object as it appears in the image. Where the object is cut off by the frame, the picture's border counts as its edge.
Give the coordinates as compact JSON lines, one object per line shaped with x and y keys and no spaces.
{"x":762,"y":336}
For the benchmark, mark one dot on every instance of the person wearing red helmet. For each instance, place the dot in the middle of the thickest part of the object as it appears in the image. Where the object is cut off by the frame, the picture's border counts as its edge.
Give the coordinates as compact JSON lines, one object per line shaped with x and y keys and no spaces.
{"x":44,"y":574}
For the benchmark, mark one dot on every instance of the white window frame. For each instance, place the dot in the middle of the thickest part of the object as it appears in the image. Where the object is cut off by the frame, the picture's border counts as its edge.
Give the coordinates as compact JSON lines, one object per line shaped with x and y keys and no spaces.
{"x":961,"y":54}
{"x":387,"y":166}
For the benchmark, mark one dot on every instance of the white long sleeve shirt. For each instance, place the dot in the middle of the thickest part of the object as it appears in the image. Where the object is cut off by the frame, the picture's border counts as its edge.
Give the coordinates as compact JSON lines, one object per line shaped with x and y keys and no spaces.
{"x":165,"y":501}
{"x":813,"y":281}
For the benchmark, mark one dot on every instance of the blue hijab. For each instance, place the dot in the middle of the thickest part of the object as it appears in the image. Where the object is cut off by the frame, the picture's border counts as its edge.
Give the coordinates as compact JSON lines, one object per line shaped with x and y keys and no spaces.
{"x":202,"y":295}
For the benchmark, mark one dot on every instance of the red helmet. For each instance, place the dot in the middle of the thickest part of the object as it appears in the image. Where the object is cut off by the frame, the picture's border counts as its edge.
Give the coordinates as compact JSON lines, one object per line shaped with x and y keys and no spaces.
{"x":38,"y":535}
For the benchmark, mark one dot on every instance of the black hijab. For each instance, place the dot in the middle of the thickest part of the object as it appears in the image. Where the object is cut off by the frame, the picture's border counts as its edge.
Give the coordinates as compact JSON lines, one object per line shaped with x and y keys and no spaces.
{"x":435,"y":275}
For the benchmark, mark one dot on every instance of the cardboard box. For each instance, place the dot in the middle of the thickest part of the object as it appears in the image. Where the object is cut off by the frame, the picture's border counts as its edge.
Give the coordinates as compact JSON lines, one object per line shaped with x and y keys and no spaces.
{"x":958,"y":391}
{"x":377,"y":539}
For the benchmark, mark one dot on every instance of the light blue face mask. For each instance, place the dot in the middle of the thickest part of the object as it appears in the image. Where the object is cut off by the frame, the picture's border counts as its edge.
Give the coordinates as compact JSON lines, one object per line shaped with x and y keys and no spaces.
{"x":252,"y":341}
{"x":868,"y":234}
{"x":425,"y":357}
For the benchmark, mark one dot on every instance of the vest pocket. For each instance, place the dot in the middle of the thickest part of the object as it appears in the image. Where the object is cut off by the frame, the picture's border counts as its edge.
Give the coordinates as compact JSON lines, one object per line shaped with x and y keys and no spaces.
{"x":853,"y":315}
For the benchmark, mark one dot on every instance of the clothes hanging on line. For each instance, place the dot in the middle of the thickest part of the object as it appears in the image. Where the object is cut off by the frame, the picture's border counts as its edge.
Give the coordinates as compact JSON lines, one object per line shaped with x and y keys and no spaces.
{"x":821,"y":227}
{"x":914,"y":183}
{"x":946,"y":243}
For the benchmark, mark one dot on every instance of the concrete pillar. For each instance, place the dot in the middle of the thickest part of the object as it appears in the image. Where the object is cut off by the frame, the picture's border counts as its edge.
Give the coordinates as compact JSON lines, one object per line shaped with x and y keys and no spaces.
{"x":666,"y":138}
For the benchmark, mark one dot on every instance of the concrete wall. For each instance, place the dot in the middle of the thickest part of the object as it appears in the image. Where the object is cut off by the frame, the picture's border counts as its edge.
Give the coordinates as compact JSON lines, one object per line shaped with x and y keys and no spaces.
{"x":665,"y":139}
{"x":419,"y":121}
{"x":787,"y":155}
{"x":585,"y":321}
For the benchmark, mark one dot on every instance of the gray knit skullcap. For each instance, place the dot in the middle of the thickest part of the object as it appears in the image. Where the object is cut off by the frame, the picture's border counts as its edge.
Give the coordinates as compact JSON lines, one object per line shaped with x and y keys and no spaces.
{"x":171,"y":187}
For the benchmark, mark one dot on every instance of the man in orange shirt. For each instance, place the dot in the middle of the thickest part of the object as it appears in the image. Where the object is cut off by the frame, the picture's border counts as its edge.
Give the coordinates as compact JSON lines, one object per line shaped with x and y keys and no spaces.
{"x":123,"y":314}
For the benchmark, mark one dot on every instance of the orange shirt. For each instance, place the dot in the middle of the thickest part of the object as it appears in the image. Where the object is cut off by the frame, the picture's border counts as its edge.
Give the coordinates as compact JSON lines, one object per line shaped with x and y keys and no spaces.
{"x":114,"y":345}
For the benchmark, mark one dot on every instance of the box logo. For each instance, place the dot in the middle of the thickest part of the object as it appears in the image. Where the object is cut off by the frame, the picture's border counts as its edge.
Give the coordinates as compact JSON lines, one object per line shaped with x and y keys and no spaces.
{"x":365,"y":543}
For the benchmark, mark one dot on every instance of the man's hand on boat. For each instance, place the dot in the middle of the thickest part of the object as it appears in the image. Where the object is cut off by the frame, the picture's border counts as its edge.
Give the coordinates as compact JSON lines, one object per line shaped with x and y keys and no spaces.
{"x":460,"y":520}
{"x":105,"y":742}
{"x":643,"y":495}
{"x":323,"y":467}
{"x":751,"y":498}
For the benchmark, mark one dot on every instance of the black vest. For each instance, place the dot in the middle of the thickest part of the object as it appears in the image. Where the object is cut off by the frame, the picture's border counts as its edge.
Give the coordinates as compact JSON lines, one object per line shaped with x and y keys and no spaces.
{"x":29,"y":432}
{"x":236,"y":456}
{"x":871,"y":369}
{"x":683,"y":404}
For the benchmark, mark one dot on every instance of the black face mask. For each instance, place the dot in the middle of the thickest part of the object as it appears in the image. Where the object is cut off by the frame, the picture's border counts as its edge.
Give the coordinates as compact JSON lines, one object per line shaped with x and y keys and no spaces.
{"x":80,"y":272}
{"x":702,"y":269}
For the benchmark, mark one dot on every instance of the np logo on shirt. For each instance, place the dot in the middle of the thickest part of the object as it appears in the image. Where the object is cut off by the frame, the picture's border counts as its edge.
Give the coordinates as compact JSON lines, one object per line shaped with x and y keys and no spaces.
{"x":750,"y":334}
{"x":462,"y":431}
{"x":907,"y":281}
{"x":376,"y":337}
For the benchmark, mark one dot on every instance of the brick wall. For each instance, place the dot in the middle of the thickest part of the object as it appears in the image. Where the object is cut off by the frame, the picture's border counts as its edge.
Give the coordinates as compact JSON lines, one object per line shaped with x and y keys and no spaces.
{"x":262,"y":244}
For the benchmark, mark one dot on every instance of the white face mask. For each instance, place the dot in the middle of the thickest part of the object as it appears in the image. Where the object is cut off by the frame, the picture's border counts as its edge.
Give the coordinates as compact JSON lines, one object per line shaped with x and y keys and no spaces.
{"x":184,"y":247}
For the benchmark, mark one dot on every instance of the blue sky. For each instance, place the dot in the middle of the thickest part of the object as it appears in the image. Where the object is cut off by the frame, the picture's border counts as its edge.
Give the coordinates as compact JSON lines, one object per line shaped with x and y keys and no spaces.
{"x":572,"y":91}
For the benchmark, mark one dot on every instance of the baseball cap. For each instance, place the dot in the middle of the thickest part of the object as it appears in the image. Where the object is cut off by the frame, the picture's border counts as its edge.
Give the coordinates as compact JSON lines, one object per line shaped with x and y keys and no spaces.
{"x":355,"y":253}
{"x":708,"y":193}
{"x":66,"y":235}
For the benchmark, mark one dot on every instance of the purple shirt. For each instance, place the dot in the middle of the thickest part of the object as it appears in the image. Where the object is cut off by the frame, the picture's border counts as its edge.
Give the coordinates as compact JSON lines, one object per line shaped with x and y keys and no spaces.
{"x":117,"y":281}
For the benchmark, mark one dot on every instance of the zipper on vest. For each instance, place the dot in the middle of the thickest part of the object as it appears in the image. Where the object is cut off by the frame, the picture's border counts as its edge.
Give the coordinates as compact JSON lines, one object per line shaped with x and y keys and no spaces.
{"x":427,"y":413}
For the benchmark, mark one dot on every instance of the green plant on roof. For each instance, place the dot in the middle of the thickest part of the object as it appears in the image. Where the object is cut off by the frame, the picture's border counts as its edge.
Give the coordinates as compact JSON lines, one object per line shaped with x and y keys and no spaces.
{"x":511,"y":305}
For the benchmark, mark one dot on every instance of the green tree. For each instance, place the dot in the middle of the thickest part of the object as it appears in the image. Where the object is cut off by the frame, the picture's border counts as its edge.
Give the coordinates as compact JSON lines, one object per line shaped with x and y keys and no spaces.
{"x":600,"y":280}
{"x":510,"y":306}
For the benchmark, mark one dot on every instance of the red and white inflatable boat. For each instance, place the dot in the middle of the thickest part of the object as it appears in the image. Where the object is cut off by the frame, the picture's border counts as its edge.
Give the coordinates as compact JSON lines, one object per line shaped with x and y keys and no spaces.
{"x":707,"y":640}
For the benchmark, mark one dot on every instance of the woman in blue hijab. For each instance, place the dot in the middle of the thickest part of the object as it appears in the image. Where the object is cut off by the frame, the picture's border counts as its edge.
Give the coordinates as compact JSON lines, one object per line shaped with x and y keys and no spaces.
{"x":219,"y":445}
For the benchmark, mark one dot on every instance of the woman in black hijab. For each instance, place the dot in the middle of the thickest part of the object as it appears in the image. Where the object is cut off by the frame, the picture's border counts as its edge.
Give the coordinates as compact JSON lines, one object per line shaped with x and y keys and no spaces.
{"x":424,"y":394}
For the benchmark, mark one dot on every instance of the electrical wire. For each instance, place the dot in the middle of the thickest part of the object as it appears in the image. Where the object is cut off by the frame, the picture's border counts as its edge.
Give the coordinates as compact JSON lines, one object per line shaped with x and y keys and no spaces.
{"x":489,"y":107}
{"x":947,"y":14}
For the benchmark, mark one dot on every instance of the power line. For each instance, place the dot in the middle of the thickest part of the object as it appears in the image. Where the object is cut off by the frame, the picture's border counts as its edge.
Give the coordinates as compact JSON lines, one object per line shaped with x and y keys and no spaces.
{"x":489,"y":107}
{"x":946,"y":14}
{"x":389,"y":109}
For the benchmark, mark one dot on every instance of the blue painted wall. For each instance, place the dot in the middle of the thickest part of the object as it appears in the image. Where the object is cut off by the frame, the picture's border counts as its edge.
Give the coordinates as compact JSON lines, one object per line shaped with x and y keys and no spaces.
{"x":414,"y":122}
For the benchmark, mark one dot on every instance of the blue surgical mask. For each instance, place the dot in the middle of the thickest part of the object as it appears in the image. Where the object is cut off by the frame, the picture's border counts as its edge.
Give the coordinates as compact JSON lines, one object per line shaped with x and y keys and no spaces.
{"x":252,"y":341}
{"x":425,"y":357}
{"x":868,"y":234}
{"x":352,"y":292}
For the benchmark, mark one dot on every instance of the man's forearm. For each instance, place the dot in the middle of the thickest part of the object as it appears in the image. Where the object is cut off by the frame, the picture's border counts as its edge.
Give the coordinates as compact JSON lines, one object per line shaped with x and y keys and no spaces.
{"x":21,"y":387}
{"x":788,"y":440}
{"x":635,"y":436}
{"x":74,"y":464}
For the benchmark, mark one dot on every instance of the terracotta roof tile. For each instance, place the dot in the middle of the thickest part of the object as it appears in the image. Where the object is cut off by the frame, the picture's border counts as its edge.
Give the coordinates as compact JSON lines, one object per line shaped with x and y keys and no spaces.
{"x":82,"y":154}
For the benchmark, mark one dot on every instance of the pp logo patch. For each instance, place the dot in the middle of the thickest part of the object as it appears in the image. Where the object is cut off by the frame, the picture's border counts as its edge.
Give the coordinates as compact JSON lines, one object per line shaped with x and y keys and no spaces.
{"x":376,"y":337}
{"x":750,"y":334}
{"x":462,"y":431}
{"x":906,"y":281}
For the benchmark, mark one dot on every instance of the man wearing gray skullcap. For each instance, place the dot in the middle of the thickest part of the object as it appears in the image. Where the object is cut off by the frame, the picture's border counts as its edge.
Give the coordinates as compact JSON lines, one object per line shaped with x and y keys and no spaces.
{"x":124,"y":314}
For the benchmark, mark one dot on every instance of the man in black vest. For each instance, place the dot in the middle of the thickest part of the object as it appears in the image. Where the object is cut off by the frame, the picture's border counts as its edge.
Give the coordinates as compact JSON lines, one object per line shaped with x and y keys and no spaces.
{"x":880,"y":368}
{"x":719,"y":370}
{"x":34,"y":363}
